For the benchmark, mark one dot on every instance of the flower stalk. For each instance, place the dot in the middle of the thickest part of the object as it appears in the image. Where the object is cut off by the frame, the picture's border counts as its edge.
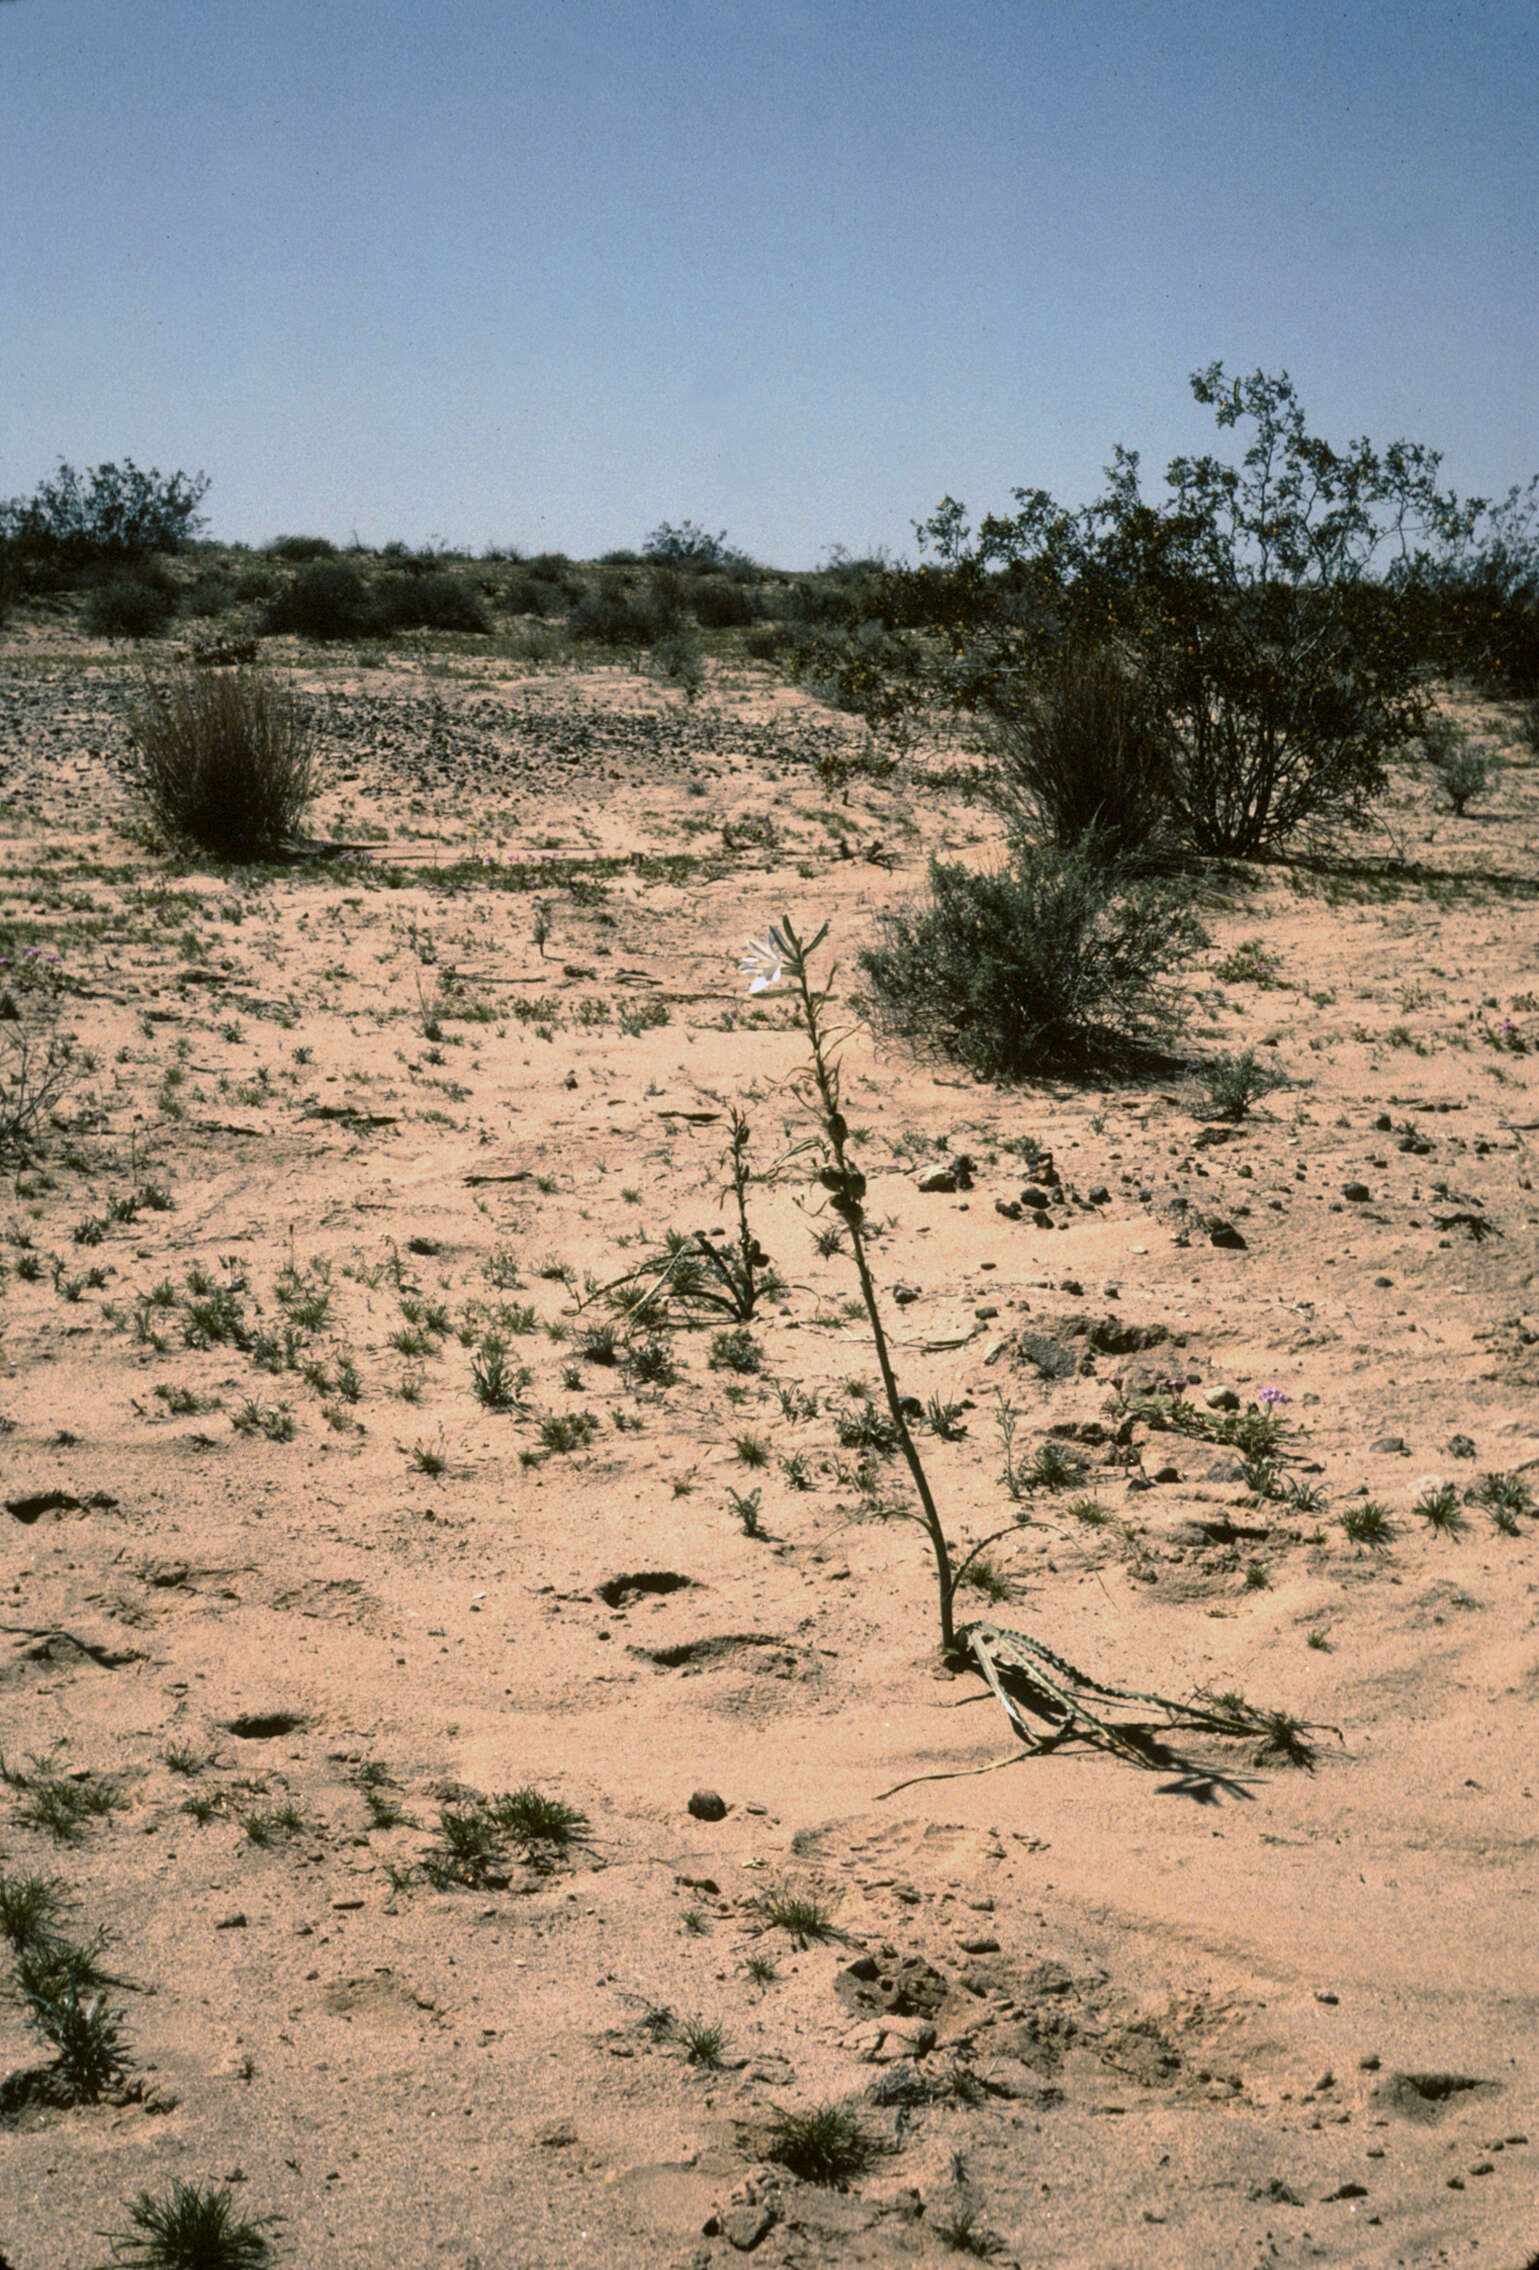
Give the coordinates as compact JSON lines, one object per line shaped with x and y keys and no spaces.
{"x":784,"y":958}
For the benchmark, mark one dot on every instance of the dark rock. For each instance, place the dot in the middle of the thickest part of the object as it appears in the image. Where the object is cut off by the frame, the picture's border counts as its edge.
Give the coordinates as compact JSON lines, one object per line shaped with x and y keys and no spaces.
{"x":1392,"y":1446}
{"x":705,"y":1805}
{"x":1225,"y":1234}
{"x":26,"y":1510}
{"x":1036,"y":1199}
{"x":1460,"y":1446}
{"x":743,"y":2227}
{"x":1011,"y":2078}
{"x":891,"y":1985}
{"x":1113,"y":1337}
{"x":1223,"y":1399}
{"x":938,"y":1181}
{"x":265,"y":1725}
{"x":1356,"y":1193}
{"x":1052,"y":1359}
{"x":620,"y":1591}
{"x":1424,"y":2097}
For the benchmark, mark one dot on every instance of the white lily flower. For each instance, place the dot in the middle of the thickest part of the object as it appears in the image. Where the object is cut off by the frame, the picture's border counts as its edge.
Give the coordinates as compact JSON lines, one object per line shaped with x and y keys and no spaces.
{"x":764,"y":961}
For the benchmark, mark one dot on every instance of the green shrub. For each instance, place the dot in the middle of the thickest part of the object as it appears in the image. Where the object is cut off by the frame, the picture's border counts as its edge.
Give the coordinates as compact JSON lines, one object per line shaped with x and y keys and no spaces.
{"x":1287,"y":669}
{"x":1465,"y":775}
{"x":223,"y":759}
{"x":1234,"y":1083}
{"x":721,"y":605}
{"x":1052,"y":962}
{"x":254,"y":586}
{"x":298,"y":549}
{"x":678,"y":660}
{"x":327,"y":599}
{"x":688,"y":546}
{"x":431,"y":601}
{"x":110,"y":513}
{"x":209,"y":593}
{"x":1087,"y":755}
{"x":612,"y":614}
{"x":128,"y":607}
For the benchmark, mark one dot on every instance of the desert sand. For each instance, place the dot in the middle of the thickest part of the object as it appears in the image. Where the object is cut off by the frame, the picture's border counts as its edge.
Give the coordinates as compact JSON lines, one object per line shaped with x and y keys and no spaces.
{"x":1219,"y":2010}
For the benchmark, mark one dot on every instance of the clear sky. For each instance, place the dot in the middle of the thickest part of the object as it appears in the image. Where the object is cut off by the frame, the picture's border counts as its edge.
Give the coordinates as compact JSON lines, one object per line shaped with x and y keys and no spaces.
{"x":494,"y":272}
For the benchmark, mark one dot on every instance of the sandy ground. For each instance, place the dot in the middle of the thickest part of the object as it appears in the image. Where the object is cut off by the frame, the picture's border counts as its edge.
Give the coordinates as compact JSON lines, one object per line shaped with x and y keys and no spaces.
{"x":289,"y":1601}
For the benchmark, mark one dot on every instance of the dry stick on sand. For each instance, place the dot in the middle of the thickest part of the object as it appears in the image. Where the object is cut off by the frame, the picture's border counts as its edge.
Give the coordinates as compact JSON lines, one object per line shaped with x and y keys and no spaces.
{"x":1043,"y":1681}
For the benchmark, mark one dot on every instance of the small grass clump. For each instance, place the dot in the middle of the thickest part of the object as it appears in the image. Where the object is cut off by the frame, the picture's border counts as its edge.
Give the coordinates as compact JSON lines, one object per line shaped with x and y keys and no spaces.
{"x":533,"y":1818}
{"x":566,"y":1431}
{"x":194,"y":2226}
{"x":468,"y":1849}
{"x":496,"y":1383}
{"x":1439,"y":1508}
{"x":703,"y":2042}
{"x":826,"y":2145}
{"x":1087,"y":756}
{"x":60,"y":1804}
{"x":798,"y":1912}
{"x":650,"y":1363}
{"x":736,"y":1351}
{"x":1506,"y":1497}
{"x":473,"y":1836}
{"x":982,"y":1576}
{"x":30,"y":1906}
{"x":861,"y":1426}
{"x":48,"y":1967}
{"x":1369,"y":1523}
{"x":963,"y":2230}
{"x":744,"y":1504}
{"x":85,"y":2034}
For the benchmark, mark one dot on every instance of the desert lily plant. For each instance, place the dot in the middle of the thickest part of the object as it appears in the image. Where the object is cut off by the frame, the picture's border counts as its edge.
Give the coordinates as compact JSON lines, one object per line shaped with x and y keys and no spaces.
{"x":1021,"y":1672}
{"x":697,"y":1274}
{"x":782,"y":958}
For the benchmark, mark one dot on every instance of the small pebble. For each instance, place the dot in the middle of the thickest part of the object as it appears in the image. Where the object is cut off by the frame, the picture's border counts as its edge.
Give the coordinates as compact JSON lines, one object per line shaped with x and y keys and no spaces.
{"x":705,"y":1805}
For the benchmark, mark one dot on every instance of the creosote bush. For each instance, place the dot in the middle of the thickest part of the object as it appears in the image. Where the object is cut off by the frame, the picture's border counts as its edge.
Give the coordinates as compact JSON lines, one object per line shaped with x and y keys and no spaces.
{"x":223,"y":759}
{"x":128,"y":607}
{"x":1088,"y":754}
{"x":1052,"y":962}
{"x":326,"y":599}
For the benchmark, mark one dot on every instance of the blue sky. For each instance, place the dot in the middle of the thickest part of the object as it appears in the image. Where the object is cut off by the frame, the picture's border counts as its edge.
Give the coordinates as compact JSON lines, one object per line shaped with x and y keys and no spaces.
{"x":492,"y":272}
